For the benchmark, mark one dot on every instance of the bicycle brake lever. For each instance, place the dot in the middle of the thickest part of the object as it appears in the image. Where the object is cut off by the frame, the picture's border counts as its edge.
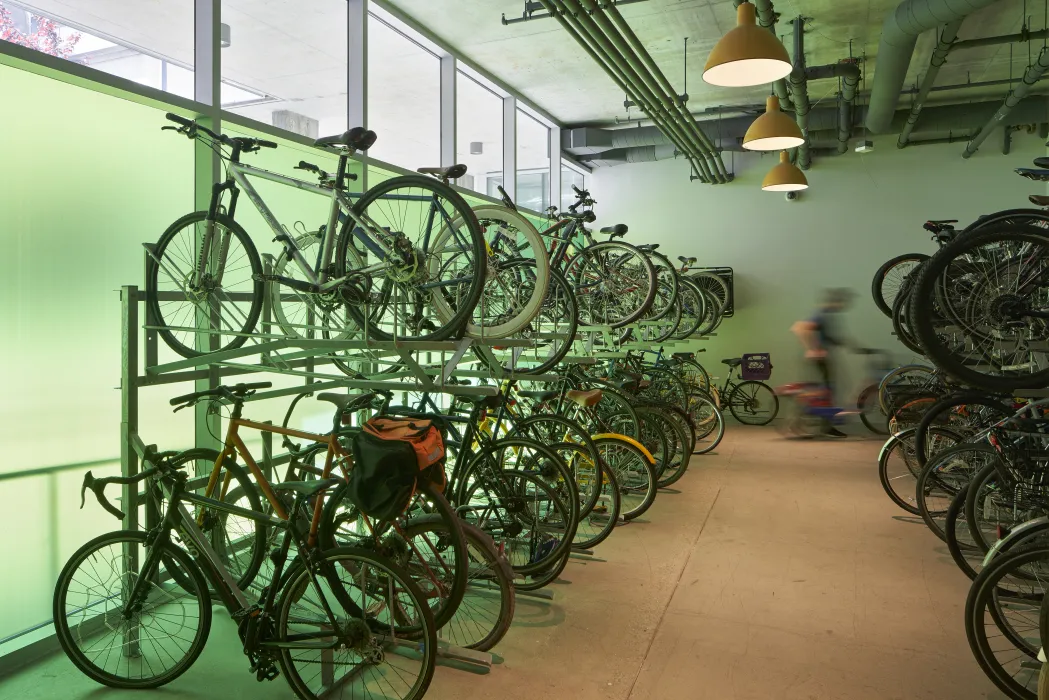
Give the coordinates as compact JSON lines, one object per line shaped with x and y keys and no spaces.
{"x":89,"y":479}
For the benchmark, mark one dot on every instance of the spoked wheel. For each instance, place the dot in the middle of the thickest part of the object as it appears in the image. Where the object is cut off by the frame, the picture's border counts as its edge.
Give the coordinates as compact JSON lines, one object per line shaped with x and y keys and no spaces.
{"x":698,"y":315}
{"x":753,"y":403}
{"x":552,"y":329}
{"x":898,"y":468}
{"x":204,"y":309}
{"x":124,"y":643}
{"x":633,"y":471}
{"x":428,"y":287}
{"x":1002,"y":619}
{"x":870,"y":411}
{"x":715,"y":284}
{"x":666,"y":287}
{"x":382,"y":643}
{"x":598,"y":492}
{"x":614,"y":283}
{"x":960,"y":543}
{"x":992,"y":289}
{"x":943,"y":477}
{"x":518,"y":273}
{"x":890,"y":278}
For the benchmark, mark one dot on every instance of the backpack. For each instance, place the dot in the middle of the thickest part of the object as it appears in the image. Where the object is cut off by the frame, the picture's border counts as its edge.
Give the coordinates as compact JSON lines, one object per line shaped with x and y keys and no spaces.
{"x":390,"y":455}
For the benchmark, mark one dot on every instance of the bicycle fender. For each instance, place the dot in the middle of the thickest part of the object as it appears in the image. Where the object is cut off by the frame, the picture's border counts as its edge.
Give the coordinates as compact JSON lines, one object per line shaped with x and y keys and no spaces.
{"x":1021,"y":530}
{"x":632,"y":441}
{"x":893,"y":439}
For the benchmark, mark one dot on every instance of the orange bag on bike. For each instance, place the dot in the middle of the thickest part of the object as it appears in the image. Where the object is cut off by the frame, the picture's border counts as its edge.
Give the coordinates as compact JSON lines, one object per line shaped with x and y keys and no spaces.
{"x":424,"y":438}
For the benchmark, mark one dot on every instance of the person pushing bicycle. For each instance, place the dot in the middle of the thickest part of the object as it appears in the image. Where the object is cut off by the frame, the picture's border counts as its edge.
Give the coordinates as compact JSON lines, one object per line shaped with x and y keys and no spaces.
{"x":820,"y":334}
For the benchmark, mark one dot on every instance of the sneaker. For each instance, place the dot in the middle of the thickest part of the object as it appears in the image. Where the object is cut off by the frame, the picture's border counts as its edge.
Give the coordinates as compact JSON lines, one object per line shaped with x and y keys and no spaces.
{"x":834,"y":433}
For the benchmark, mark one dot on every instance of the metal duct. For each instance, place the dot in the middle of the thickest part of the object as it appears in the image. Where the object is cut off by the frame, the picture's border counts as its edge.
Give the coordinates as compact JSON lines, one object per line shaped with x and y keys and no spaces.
{"x":1032,"y":76}
{"x":641,"y":154}
{"x":800,"y":89}
{"x":846,"y":101}
{"x":939,"y":56}
{"x":898,"y":36}
{"x":999,"y":40}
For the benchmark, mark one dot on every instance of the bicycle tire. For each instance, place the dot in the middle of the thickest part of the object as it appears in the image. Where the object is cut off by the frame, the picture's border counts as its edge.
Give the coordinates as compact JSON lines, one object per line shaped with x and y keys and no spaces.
{"x":238,"y":334}
{"x":368,"y":626}
{"x":451,"y":320}
{"x":940,"y":480}
{"x":220,"y":539}
{"x":67,"y":637}
{"x":592,"y":282}
{"x":963,"y":552}
{"x":878,"y":290}
{"x":739,"y":405}
{"x":697,"y":310}
{"x":867,"y":403}
{"x":945,"y":404}
{"x":896,"y":442}
{"x":638,"y":479}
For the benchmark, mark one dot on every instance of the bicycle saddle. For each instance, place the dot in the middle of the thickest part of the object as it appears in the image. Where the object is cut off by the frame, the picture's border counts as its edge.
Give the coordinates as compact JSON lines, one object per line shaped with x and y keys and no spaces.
{"x":489,"y":402}
{"x":683,"y":355}
{"x":617,"y":230}
{"x":347,"y":402}
{"x":648,"y":246}
{"x":1042,"y":162}
{"x":733,"y":361}
{"x":1040,"y":200}
{"x":306,"y":488}
{"x":939,"y":226}
{"x":358,"y":138}
{"x":539,"y":395}
{"x":686,"y":261}
{"x":1032,"y":174}
{"x":452,"y":172}
{"x":585,"y":398}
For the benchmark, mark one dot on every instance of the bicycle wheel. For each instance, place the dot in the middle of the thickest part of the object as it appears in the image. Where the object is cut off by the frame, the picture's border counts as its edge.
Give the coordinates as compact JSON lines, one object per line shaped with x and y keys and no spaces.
{"x":216,"y":309}
{"x":660,"y":330}
{"x":518,"y":272}
{"x":240,"y":542}
{"x":694,"y":375}
{"x":708,"y":420}
{"x":870,"y":411}
{"x":908,"y":382}
{"x":554,"y":430}
{"x":429,"y":289}
{"x":960,"y":543}
{"x":992,"y":281}
{"x":898,"y":470}
{"x":598,"y":522}
{"x":890,"y":278}
{"x":552,"y":329}
{"x":633,"y":471}
{"x":614,"y":283}
{"x":966,"y":414}
{"x":382,"y":642}
{"x":147,"y":648}
{"x":941,"y":479}
{"x":654,"y":438}
{"x":437,"y":563}
{"x":989,"y":503}
{"x":697,"y":315}
{"x":901,"y":322}
{"x":753,"y":403}
{"x":715,"y":284}
{"x":1002,"y":619}
{"x":666,"y":286}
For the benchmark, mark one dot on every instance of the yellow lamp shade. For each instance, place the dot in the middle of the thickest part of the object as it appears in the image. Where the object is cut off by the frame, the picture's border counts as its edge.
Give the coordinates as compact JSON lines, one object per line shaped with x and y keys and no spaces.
{"x":747,"y":55}
{"x":784,"y":177}
{"x":773,"y":130}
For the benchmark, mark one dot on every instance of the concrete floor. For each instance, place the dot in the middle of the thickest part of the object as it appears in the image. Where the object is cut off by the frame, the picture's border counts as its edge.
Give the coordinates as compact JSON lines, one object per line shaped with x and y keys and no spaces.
{"x":774,"y":570}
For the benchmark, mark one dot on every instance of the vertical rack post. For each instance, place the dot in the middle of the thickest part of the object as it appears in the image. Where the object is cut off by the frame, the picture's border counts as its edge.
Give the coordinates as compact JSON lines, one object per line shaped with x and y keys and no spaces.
{"x":128,"y":429}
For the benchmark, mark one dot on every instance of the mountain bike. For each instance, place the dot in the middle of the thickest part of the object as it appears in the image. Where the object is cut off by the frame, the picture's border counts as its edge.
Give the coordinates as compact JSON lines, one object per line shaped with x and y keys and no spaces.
{"x":133,"y":610}
{"x":409,"y":260}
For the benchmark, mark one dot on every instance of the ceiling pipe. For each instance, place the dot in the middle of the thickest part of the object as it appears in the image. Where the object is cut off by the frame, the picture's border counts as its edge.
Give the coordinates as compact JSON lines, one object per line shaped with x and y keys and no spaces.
{"x":968,"y":86}
{"x":939,"y":55}
{"x":601,"y":39}
{"x":898,"y":36}
{"x":767,"y":19}
{"x":800,"y":89}
{"x":1032,"y":76}
{"x":636,"y":48}
{"x":999,"y":40}
{"x":561,"y":13}
{"x":622,"y":156}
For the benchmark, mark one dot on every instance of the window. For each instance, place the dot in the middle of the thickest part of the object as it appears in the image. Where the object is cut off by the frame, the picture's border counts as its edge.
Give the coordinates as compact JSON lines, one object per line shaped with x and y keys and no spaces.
{"x":533,"y":163}
{"x":286,"y":64}
{"x":149,"y":43}
{"x":404,"y":99}
{"x":478,"y":135}
{"x":569,"y":177}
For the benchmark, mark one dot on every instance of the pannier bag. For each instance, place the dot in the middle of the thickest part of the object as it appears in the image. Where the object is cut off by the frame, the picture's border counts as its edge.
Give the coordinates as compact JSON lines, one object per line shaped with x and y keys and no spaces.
{"x":389,"y":455}
{"x":756,"y":365}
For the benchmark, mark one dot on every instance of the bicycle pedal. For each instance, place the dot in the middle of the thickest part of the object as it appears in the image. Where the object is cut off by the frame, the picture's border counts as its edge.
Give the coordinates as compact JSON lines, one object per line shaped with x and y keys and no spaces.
{"x":268,"y":673}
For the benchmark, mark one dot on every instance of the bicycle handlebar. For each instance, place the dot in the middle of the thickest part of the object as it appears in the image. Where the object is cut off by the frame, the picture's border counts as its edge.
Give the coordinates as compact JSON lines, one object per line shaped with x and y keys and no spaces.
{"x":191,"y":128}
{"x":238,"y":391}
{"x":98,"y":487}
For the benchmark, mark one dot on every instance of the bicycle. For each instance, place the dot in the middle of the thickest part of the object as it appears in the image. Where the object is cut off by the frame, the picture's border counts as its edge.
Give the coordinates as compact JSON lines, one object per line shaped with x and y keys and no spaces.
{"x":375,"y":277}
{"x":132,"y":610}
{"x":750,"y":401}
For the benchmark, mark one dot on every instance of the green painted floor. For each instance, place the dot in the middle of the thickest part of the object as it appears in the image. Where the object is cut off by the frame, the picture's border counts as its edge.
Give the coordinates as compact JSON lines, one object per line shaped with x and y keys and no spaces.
{"x":774,"y":570}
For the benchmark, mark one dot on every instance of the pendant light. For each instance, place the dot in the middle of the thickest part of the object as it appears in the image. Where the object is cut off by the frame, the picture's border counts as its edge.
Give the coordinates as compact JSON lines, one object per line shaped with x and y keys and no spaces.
{"x":773,"y":130}
{"x":784,"y":177}
{"x":748,"y":55}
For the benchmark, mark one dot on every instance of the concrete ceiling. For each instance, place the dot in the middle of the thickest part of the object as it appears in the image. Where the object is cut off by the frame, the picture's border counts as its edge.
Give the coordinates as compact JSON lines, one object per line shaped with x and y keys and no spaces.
{"x":539,"y":60}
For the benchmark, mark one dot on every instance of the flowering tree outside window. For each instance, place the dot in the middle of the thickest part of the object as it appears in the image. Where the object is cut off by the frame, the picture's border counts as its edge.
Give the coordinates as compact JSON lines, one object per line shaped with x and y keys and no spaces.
{"x":43,"y":35}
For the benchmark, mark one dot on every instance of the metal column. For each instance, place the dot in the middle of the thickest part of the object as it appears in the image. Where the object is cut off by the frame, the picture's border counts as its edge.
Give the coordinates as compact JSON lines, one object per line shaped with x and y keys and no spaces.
{"x":448,"y":151}
{"x":357,"y":73}
{"x":555,"y":166}
{"x":510,"y":146}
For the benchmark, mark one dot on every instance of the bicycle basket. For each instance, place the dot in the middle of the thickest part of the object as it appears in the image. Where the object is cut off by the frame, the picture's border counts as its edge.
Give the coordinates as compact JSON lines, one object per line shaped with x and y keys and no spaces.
{"x":756,"y":365}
